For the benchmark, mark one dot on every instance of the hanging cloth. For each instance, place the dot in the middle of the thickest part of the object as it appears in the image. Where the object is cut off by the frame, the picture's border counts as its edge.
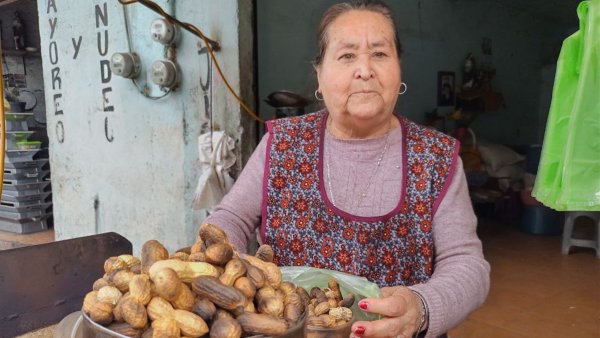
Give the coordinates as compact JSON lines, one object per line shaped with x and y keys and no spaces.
{"x":215,"y":164}
{"x":569,"y":171}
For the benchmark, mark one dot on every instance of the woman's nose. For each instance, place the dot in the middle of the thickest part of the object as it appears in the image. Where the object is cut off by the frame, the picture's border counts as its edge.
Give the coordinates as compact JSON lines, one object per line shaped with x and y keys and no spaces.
{"x":364,"y":69}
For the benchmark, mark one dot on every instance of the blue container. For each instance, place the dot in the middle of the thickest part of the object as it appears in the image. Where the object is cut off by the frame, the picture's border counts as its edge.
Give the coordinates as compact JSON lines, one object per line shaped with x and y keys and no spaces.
{"x":541,"y":220}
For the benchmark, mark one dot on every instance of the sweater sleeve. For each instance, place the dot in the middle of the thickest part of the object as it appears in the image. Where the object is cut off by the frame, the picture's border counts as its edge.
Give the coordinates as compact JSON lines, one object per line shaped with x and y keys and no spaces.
{"x":461,"y":276}
{"x":239,"y":212}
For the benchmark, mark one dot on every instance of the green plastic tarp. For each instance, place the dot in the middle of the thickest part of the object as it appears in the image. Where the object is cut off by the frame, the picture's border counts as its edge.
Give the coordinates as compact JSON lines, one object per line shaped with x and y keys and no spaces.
{"x":569,"y":171}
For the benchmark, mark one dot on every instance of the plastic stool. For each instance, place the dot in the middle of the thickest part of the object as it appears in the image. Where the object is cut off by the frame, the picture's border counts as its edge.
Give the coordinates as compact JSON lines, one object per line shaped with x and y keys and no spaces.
{"x":568,"y":241}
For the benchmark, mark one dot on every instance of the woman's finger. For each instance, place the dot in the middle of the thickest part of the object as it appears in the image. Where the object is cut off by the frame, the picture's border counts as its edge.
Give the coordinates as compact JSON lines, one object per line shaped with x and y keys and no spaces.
{"x":387,"y":327}
{"x":391,"y":306}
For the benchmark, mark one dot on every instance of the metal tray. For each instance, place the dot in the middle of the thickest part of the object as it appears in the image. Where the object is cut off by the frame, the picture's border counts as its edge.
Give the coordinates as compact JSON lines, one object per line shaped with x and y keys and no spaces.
{"x":36,"y":196}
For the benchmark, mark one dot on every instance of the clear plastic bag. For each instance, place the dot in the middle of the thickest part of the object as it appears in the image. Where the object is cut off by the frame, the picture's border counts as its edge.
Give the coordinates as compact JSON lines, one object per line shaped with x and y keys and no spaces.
{"x":308,"y":277}
{"x":569,"y":171}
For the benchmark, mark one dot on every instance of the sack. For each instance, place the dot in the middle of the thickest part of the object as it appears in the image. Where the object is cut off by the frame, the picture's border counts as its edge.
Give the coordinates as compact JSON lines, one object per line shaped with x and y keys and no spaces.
{"x":569,"y":171}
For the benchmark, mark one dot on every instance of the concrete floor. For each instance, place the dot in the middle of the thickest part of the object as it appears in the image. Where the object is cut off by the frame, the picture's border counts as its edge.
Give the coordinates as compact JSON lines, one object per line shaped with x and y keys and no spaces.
{"x":535,"y":290}
{"x":47,"y":332}
{"x":9,"y":240}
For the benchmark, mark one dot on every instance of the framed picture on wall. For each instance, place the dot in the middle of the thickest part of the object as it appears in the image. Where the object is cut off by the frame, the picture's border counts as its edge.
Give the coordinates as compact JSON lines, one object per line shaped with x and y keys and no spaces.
{"x":445,"y":89}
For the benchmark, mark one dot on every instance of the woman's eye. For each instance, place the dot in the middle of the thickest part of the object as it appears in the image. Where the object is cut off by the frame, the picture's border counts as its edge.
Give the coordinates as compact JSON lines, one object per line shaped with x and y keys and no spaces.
{"x":347,"y":56}
{"x":379,"y":54}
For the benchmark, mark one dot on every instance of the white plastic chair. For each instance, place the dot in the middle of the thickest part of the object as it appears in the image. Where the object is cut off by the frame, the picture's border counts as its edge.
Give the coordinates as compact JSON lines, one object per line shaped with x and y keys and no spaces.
{"x":568,"y":241}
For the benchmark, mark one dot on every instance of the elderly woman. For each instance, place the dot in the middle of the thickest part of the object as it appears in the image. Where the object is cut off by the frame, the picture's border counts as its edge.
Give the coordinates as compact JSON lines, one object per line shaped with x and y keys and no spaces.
{"x":356,"y":188}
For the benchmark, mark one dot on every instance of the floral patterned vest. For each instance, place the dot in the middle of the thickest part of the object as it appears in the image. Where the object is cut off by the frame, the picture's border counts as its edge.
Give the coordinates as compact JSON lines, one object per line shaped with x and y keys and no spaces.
{"x":305,"y":228}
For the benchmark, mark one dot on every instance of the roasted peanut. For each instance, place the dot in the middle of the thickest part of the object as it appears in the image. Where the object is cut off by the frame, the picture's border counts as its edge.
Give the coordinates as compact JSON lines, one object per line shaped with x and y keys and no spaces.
{"x":152,"y":251}
{"x":265,"y":253}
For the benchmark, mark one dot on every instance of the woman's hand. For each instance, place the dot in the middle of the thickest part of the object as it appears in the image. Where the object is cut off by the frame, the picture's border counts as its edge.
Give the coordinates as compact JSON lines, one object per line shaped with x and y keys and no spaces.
{"x":401,"y":309}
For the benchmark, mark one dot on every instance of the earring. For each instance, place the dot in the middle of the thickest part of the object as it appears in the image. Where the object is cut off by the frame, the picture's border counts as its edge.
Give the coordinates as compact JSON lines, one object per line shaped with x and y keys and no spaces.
{"x":405,"y":88}
{"x":317,"y":96}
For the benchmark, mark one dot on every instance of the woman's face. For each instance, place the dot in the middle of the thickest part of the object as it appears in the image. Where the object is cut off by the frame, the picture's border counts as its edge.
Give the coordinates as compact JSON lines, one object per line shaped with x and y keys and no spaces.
{"x":360,"y":76}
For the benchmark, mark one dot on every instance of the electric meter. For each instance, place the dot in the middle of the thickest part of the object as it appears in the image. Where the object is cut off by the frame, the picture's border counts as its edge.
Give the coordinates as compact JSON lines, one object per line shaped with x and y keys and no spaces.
{"x":164,"y":73}
{"x":126,"y":65}
{"x":163,"y":31}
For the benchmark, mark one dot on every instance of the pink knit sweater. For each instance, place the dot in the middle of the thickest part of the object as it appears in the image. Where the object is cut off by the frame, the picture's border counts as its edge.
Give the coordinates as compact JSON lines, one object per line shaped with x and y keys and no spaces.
{"x":460,"y":280}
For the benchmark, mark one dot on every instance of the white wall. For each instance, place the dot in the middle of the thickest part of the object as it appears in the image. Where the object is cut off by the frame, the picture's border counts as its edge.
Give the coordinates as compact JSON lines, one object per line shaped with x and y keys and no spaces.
{"x":436,"y":36}
{"x":122,"y":162}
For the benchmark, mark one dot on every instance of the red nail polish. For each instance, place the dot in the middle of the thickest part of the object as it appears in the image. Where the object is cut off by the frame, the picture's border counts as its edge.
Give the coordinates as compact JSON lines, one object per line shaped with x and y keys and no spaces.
{"x":360,"y":330}
{"x":362,"y":305}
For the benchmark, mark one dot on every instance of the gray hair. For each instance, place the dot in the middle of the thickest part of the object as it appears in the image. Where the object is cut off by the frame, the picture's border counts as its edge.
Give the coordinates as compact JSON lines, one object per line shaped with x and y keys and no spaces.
{"x":337,"y":10}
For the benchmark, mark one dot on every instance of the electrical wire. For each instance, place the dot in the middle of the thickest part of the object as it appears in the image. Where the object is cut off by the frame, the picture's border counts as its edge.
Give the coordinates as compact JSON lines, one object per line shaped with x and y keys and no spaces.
{"x":143,"y":91}
{"x":210,"y":45}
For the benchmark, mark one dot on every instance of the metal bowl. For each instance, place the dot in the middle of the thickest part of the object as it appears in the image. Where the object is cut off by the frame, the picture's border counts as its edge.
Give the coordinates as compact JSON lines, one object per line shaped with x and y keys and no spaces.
{"x":91,"y":329}
{"x":69,"y":327}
